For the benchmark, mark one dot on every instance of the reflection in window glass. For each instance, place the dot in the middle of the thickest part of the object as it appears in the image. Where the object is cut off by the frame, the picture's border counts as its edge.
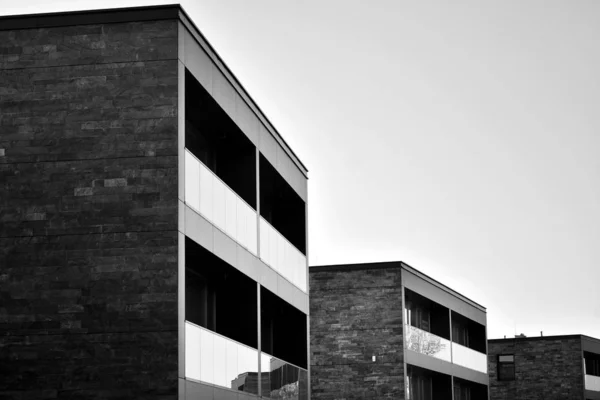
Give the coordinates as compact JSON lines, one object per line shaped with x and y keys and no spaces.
{"x":281,"y":380}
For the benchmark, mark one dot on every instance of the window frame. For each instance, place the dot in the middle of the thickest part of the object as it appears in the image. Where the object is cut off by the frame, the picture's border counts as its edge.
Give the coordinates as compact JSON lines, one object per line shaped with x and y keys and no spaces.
{"x":499,"y":364}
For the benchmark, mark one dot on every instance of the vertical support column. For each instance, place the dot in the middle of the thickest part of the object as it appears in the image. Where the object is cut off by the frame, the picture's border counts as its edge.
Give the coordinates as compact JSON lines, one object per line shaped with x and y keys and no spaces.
{"x":259,"y":344}
{"x":450,"y":319}
{"x":181,"y":200}
{"x":258,"y":199}
{"x":451,"y":356}
{"x":404,"y":322}
{"x":306,"y":251}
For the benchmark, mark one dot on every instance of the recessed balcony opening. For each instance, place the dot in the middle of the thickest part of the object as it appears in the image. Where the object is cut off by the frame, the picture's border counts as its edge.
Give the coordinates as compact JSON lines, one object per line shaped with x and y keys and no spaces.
{"x":283,"y":329}
{"x":592,"y":363}
{"x":467,"y":390}
{"x":468,"y":333}
{"x":213,"y":137}
{"x":424,"y":384}
{"x":281,"y":206}
{"x":218,"y":297}
{"x":426,"y":314}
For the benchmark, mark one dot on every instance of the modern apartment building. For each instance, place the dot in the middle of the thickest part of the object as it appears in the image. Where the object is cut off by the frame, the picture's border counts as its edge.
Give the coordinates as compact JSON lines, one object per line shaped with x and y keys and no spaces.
{"x":152,"y":220}
{"x":386,"y":330}
{"x":544,"y":367}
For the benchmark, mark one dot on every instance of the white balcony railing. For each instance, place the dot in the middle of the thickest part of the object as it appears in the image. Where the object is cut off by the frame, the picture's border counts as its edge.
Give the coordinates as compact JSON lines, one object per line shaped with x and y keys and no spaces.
{"x":427,"y":343}
{"x":211,"y":197}
{"x":214,"y":359}
{"x":469,"y":358}
{"x":281,"y":255}
{"x":592,"y":383}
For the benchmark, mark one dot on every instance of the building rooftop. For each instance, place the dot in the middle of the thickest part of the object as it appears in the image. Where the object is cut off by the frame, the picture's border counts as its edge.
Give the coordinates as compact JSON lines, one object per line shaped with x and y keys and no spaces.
{"x":137,"y":14}
{"x":393,"y":264}
{"x":554,"y":337}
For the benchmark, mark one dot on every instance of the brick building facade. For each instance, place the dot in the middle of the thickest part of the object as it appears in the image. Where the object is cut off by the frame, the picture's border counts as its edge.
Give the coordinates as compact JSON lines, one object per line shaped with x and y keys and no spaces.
{"x":385,"y":330}
{"x":107,"y":247}
{"x":546,"y":367}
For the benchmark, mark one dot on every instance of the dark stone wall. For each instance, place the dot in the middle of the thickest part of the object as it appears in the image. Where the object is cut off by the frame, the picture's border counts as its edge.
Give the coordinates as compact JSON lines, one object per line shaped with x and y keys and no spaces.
{"x":355,"y":315}
{"x":545,"y":369}
{"x":88,"y":212}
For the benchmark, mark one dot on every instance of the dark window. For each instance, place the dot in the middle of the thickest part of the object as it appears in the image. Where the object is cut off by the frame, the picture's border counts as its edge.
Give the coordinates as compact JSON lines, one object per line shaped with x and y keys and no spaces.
{"x":424,"y":384}
{"x":506,"y":367}
{"x":218,"y":297}
{"x":427,"y":315}
{"x":213,"y":137}
{"x":468,"y":333}
{"x":592,"y":363}
{"x":469,"y":390}
{"x":281,"y":206}
{"x":283,"y":329}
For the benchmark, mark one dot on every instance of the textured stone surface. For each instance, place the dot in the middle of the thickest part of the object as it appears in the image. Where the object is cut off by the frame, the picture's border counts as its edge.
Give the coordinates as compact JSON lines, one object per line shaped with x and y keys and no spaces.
{"x":356,"y":315}
{"x":545,"y":368}
{"x":88,"y":212}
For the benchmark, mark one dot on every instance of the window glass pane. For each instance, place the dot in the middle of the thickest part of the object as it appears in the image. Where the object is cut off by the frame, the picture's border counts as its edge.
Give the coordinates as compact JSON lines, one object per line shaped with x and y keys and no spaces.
{"x":207,"y":356}
{"x":507,"y":358}
{"x":206,"y":189}
{"x":192,"y":351}
{"x":232,"y":363}
{"x":231,"y":214}
{"x":192,"y":181}
{"x":220,"y":361}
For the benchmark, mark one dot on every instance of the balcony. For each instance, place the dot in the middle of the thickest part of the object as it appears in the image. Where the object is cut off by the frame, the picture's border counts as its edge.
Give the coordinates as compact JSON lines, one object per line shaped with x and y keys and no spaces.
{"x":592,"y":383}
{"x":591,"y":365}
{"x":282,"y":380}
{"x":428,"y":344}
{"x":206,"y":193}
{"x":281,"y":255}
{"x":469,"y":358}
{"x":220,"y":361}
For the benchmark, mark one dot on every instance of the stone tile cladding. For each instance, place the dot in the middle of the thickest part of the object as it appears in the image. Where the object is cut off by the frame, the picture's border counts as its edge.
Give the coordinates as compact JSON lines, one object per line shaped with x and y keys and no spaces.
{"x":88,"y":212}
{"x":355,"y":315}
{"x":548,"y":369}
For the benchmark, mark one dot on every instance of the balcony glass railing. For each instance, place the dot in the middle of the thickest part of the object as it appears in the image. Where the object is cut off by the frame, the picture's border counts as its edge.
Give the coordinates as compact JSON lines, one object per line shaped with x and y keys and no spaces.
{"x":214,"y":359}
{"x":427,"y":343}
{"x":281,"y":255}
{"x":281,"y":380}
{"x":211,"y":197}
{"x":469,"y":358}
{"x":592,"y":382}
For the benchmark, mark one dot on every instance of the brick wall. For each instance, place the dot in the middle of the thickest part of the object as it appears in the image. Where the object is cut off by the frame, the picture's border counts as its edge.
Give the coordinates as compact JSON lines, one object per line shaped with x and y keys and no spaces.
{"x":88,"y":212}
{"x":355,"y":315}
{"x":545,"y":369}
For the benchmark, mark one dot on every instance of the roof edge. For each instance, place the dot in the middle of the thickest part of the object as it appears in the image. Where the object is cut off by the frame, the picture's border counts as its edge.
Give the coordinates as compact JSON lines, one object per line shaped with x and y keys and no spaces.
{"x":394,"y":264}
{"x":88,"y":17}
{"x":135,"y":14}
{"x":190,"y":24}
{"x":551,"y":337}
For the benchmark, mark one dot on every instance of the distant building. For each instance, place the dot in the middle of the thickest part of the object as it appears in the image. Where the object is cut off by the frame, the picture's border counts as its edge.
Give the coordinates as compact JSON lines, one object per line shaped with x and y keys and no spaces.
{"x":386,"y":330}
{"x":152,"y":220}
{"x":546,"y":367}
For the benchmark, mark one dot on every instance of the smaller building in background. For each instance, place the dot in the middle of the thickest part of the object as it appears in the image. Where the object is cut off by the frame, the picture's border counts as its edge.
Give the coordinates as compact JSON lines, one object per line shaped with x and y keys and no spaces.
{"x":545,"y":367}
{"x":386,"y":330}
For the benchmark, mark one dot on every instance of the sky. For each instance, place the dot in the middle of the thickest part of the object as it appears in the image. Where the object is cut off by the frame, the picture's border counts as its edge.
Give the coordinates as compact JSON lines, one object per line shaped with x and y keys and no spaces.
{"x":462,"y":138}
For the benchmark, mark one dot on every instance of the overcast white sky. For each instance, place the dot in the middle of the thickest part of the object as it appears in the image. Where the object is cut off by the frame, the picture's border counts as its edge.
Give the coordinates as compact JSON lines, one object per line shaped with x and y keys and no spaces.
{"x":460,"y":137}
